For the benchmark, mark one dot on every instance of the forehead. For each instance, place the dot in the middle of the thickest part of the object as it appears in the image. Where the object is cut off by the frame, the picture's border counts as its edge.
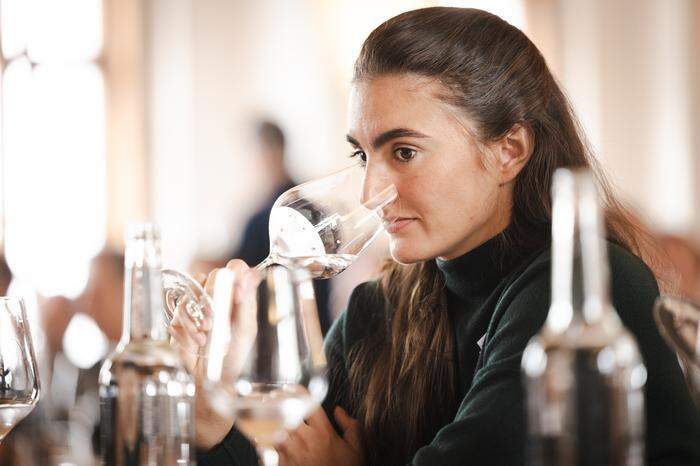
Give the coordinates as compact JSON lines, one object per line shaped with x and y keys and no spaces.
{"x":400,"y":100}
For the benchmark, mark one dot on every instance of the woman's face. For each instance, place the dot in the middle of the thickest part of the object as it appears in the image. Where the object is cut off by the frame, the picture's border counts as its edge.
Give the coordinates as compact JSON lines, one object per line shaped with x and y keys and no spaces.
{"x":450,"y":197}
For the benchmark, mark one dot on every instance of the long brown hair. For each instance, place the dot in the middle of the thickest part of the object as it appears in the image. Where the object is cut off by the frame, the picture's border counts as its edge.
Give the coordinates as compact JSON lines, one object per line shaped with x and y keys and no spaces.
{"x":402,"y":378}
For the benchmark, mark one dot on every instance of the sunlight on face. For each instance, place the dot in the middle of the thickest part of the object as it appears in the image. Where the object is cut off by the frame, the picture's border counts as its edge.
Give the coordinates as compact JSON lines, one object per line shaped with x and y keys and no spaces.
{"x":449,"y":201}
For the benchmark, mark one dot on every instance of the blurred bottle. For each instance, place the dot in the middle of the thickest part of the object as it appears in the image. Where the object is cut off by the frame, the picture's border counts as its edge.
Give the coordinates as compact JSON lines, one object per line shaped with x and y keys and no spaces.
{"x":146,"y":395}
{"x":583,"y":373}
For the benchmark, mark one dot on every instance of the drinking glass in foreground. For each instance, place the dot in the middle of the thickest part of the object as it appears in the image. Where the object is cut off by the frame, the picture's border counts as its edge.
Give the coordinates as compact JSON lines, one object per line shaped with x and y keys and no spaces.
{"x":267,"y":368}
{"x":19,"y":376}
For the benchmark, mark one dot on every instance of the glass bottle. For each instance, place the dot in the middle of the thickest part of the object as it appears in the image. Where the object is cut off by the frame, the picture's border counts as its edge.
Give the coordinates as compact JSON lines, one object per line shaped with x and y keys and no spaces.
{"x":583,"y":373}
{"x":146,"y":394}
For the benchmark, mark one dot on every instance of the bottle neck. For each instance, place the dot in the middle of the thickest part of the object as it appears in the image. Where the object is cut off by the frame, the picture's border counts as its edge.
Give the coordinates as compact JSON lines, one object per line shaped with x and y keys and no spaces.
{"x":579,"y":256}
{"x":143,"y":301}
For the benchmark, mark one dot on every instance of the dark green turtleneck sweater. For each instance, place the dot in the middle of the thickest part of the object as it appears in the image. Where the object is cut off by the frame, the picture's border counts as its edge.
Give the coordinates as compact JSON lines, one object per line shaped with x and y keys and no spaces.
{"x":496,"y":305}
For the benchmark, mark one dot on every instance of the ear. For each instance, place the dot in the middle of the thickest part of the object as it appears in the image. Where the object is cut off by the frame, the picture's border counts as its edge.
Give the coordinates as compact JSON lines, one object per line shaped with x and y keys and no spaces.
{"x":513,"y":152}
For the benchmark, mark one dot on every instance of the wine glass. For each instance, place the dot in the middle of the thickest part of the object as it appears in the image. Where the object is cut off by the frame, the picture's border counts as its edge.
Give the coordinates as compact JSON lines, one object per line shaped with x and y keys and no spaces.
{"x":321,"y":225}
{"x":267,"y":369}
{"x":679,"y":323}
{"x":19,"y":376}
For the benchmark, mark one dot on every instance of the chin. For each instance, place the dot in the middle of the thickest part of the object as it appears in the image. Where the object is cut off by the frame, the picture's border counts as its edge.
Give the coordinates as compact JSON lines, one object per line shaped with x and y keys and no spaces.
{"x":406,"y":252}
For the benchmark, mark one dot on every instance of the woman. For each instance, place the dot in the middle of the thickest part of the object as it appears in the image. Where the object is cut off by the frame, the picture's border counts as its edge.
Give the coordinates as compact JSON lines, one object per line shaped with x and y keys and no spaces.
{"x":458,"y":110}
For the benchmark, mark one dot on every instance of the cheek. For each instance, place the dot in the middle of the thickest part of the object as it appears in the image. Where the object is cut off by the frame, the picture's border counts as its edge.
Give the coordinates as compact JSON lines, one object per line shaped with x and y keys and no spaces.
{"x":449,"y":195}
{"x":454,"y":210}
{"x":427,"y":187}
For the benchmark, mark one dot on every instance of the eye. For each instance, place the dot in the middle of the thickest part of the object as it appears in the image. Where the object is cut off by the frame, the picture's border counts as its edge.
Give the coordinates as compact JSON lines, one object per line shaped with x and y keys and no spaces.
{"x":361,"y":154}
{"x":404,"y":154}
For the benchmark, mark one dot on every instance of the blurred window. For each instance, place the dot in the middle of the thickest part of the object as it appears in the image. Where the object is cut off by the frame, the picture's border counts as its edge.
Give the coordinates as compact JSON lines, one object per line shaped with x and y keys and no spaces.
{"x":53,"y":114}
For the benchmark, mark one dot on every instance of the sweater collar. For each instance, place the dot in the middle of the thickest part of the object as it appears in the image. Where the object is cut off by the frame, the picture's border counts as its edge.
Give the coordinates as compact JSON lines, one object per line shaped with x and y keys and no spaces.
{"x":477,"y":272}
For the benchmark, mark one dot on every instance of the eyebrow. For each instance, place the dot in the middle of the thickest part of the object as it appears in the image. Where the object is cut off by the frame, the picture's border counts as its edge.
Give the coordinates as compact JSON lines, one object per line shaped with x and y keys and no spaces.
{"x":387,"y":136}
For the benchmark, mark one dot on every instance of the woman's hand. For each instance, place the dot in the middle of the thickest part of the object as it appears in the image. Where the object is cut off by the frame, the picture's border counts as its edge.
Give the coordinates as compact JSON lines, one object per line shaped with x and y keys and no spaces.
{"x":213,"y":424}
{"x":315,"y":442}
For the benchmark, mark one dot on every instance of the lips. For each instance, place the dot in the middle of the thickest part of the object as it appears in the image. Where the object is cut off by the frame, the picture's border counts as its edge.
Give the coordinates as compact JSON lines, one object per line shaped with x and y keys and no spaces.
{"x":396,"y":224}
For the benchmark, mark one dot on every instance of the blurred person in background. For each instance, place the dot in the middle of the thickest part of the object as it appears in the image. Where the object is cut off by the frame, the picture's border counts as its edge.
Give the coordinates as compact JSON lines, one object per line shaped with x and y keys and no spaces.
{"x":458,"y":110}
{"x":58,"y":383}
{"x":103,"y":295}
{"x":255,"y":243}
{"x":56,"y":313}
{"x":102,"y":300}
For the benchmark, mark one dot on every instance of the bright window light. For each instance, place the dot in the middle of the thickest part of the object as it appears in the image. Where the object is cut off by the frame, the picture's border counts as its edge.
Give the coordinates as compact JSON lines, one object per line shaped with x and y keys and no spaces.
{"x":52,"y":30}
{"x":14,"y":26}
{"x":54,"y":142}
{"x":55,"y":181}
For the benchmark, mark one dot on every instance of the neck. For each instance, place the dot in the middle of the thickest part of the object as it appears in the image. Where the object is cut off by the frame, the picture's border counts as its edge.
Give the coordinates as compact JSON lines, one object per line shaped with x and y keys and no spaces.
{"x":481,"y":236}
{"x":277,"y":176}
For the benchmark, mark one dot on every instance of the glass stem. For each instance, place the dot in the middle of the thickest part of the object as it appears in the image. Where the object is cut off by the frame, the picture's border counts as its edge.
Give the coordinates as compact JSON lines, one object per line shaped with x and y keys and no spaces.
{"x":268,"y":456}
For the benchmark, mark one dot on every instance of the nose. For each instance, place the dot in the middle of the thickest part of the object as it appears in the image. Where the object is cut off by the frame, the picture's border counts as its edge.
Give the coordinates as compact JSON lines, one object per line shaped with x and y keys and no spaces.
{"x":378,"y":190}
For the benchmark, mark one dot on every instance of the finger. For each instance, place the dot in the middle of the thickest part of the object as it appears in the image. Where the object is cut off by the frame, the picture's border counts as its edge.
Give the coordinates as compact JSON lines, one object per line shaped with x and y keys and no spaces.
{"x":188,"y":309}
{"x":187,"y":323}
{"x":178,"y":314}
{"x":291,"y":448}
{"x":244,"y":291}
{"x":206,"y":322}
{"x":219,"y":287}
{"x":351,"y":428}
{"x":239,"y":269}
{"x":200,"y":277}
{"x":187,"y":356}
{"x":296,"y":439}
{"x":284,"y":459}
{"x":182,"y":338}
{"x":250,"y":279}
{"x":236,"y":265}
{"x":344,"y":420}
{"x":178,"y":317}
{"x":244,"y":300}
{"x":305,"y":434}
{"x":237,"y":278}
{"x":209,"y":283}
{"x":319,"y":420}
{"x":185,"y":330}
